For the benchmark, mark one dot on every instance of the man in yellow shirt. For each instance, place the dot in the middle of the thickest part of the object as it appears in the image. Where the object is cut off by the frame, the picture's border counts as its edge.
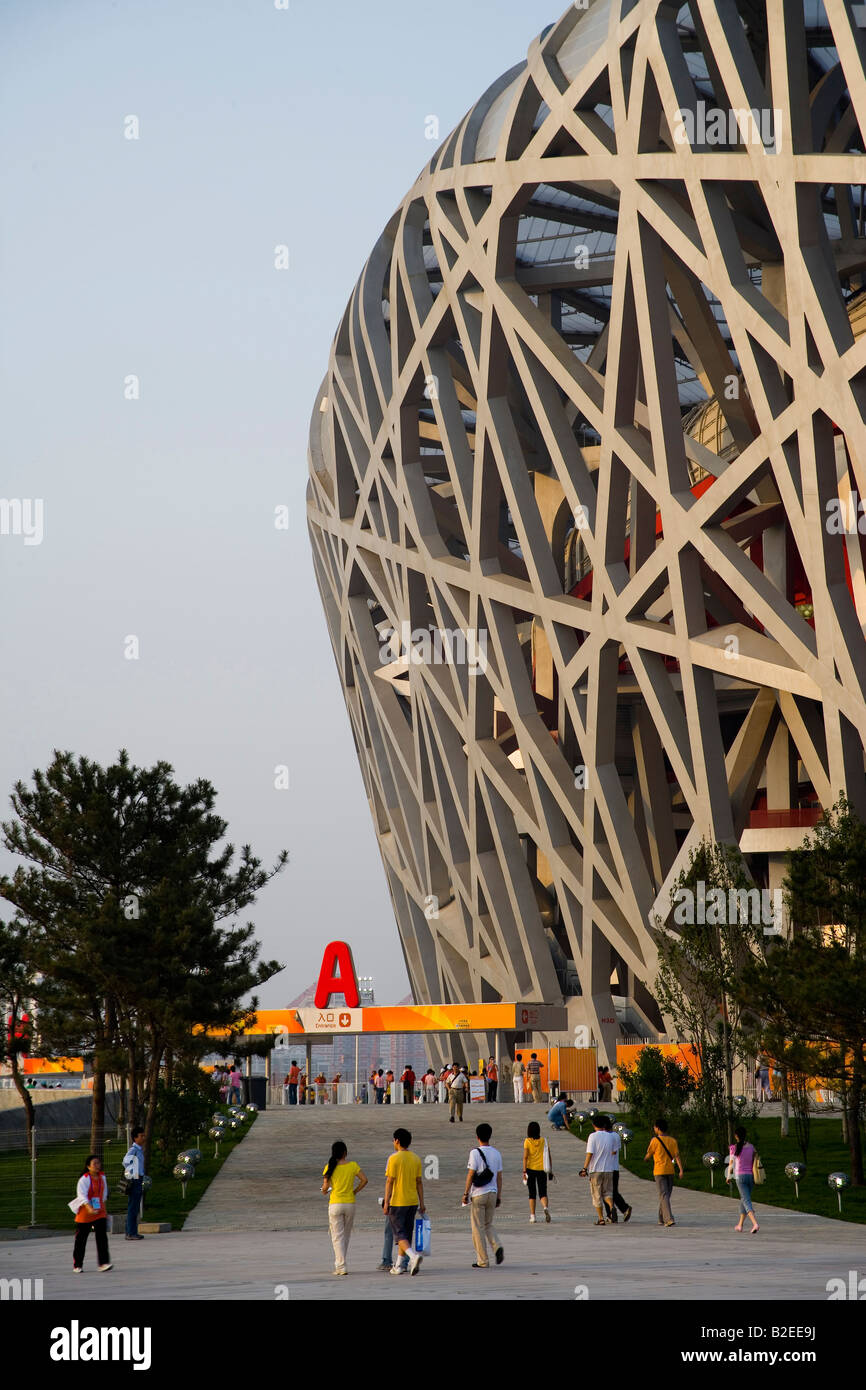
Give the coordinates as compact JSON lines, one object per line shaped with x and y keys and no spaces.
{"x":404,"y":1195}
{"x":664,"y":1152}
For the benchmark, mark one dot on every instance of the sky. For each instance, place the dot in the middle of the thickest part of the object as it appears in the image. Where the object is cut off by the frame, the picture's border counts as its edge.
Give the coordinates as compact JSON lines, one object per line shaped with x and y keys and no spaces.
{"x":158,"y":372}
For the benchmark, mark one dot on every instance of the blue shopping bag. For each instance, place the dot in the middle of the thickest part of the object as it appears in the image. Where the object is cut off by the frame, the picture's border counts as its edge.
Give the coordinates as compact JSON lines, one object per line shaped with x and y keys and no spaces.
{"x":421,"y":1243}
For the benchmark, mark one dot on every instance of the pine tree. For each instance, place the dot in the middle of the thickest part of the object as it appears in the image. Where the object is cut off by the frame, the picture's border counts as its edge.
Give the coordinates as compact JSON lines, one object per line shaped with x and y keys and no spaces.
{"x":130,"y":897}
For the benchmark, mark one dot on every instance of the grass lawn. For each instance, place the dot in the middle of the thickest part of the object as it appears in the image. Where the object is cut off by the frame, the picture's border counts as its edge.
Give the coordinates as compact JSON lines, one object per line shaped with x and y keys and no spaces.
{"x":59,"y":1166}
{"x":827,"y":1154}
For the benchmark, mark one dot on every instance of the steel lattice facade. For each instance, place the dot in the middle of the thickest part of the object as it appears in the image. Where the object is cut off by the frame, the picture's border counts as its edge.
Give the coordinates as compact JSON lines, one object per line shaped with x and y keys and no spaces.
{"x":596,"y":409}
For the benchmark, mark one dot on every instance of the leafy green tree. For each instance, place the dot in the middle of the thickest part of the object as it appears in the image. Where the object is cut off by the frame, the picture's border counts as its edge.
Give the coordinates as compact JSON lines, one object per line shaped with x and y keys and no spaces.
{"x":656,"y":1085}
{"x":183,"y":1110}
{"x":131,"y":896}
{"x":826,"y":887}
{"x":714,"y":930}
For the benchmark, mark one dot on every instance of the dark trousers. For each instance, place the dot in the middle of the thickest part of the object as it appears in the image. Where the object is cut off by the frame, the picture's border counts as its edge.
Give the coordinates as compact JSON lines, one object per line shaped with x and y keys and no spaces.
{"x":82,"y":1231}
{"x":491,"y":1090}
{"x":380,"y":1095}
{"x":133,"y":1207}
{"x":293,"y":1094}
{"x":617,"y":1200}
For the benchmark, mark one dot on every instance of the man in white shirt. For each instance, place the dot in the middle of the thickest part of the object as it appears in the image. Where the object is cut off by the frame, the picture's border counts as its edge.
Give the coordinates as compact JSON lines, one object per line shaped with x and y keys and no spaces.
{"x":601,"y":1151}
{"x":617,"y":1202}
{"x":485,"y":1197}
{"x":457,"y":1088}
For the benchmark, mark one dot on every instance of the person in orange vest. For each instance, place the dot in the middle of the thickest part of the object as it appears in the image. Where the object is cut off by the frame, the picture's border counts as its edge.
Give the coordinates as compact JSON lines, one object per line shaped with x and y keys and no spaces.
{"x":292,"y":1082}
{"x":89,"y":1206}
{"x":492,"y":1080}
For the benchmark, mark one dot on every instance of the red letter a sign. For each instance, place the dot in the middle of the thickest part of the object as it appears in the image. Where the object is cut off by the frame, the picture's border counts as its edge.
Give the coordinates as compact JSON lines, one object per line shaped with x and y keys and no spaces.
{"x":337,"y":976}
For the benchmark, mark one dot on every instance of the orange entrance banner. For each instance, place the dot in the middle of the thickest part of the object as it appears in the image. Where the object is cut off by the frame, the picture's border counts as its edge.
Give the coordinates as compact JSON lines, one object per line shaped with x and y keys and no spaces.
{"x":409,"y":1018}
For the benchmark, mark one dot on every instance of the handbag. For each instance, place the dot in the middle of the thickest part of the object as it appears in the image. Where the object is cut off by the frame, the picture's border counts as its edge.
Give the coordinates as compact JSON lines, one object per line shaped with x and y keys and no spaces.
{"x":729,"y":1169}
{"x":481,"y":1177}
{"x":421,"y":1243}
{"x":758,"y":1172}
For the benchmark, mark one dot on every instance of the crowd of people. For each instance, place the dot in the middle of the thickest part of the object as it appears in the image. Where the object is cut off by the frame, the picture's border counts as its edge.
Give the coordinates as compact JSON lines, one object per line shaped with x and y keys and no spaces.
{"x":403,"y":1198}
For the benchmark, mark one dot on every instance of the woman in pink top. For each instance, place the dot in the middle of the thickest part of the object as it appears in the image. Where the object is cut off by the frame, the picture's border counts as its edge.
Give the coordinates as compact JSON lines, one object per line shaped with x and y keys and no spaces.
{"x":743,"y":1155}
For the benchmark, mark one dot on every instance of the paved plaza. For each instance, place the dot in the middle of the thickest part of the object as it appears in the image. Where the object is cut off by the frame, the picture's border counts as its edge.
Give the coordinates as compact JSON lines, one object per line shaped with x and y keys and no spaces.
{"x":261,"y":1230}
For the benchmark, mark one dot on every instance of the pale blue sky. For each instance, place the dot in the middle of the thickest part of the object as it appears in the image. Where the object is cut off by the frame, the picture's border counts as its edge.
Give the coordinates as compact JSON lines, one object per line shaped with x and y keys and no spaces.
{"x":155,"y":257}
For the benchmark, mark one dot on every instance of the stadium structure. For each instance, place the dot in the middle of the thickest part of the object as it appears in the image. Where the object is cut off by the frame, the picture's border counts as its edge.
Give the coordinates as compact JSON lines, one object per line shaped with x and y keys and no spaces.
{"x":584,"y":497}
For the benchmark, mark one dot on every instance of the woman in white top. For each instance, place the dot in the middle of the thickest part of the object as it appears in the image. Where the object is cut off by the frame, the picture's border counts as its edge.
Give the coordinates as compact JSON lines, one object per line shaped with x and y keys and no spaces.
{"x":90,"y":1215}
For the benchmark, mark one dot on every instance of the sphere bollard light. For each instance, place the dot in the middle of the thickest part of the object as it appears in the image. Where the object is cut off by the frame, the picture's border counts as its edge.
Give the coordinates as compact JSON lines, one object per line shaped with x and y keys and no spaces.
{"x":837,"y":1181}
{"x":252,"y":1108}
{"x":235,"y":1124}
{"x":189,"y":1156}
{"x":146,"y":1183}
{"x":184,"y":1171}
{"x":219,"y":1134}
{"x":712,"y":1160}
{"x":626,"y":1135}
{"x":795,"y":1171}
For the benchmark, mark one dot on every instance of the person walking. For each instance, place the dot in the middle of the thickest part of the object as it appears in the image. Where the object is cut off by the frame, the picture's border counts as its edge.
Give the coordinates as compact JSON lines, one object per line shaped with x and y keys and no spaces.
{"x":320,"y":1082}
{"x":606,"y":1083}
{"x":517,"y":1073}
{"x":339,"y":1177}
{"x":741,"y":1164}
{"x":764,"y":1080}
{"x":235,"y":1083}
{"x":389,"y":1082}
{"x":404,"y":1196}
{"x":492,"y":1080}
{"x":133,"y":1171}
{"x":429,"y":1083}
{"x":599,"y":1165}
{"x":537,"y":1168}
{"x":292,"y":1079}
{"x":664,"y":1152}
{"x":484,"y":1183}
{"x":617,"y":1202}
{"x":457,"y":1088}
{"x":90,"y":1204}
{"x":534,"y":1070}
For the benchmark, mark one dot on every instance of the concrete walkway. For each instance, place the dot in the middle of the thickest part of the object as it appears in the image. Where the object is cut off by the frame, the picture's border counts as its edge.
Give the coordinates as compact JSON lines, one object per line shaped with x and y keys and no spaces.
{"x":261,"y":1231}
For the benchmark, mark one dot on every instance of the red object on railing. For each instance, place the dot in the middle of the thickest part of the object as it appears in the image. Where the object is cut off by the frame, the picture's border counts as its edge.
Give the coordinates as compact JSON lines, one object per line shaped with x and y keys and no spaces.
{"x":784,"y":820}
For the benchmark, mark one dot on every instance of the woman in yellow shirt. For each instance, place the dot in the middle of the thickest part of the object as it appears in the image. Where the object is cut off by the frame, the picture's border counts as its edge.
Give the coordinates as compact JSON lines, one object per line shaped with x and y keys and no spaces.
{"x":338,"y":1178}
{"x":537,"y":1166}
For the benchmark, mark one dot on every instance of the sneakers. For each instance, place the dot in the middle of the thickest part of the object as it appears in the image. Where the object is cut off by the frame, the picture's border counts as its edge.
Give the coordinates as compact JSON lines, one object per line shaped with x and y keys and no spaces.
{"x":500,"y":1255}
{"x":626,"y":1214}
{"x":133,"y":1237}
{"x":383,"y":1268}
{"x":415,"y":1262}
{"x":103,"y":1269}
{"x":547,"y":1215}
{"x":77,"y":1269}
{"x":532,"y":1219}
